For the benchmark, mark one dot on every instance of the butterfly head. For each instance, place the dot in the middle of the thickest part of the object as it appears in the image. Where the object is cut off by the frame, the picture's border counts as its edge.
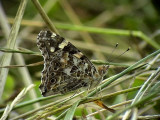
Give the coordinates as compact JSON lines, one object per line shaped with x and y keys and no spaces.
{"x":102,"y":70}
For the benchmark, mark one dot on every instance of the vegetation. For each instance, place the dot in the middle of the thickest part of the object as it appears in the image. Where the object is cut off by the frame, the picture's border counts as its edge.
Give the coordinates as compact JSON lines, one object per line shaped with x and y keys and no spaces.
{"x":131,"y":86}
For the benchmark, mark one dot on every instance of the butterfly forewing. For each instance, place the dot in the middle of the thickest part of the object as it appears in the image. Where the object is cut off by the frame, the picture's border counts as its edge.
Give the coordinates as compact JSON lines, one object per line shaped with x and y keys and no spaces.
{"x":65,"y":67}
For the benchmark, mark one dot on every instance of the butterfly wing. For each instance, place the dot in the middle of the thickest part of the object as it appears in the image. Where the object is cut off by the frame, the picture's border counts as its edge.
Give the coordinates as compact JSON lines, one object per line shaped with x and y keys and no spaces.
{"x":65,"y":67}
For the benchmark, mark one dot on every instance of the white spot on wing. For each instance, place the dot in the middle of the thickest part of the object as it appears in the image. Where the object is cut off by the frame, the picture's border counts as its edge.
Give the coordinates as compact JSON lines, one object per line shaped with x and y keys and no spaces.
{"x":52,"y":49}
{"x":78,"y":55}
{"x":85,"y":66}
{"x":62,"y":60}
{"x":75,"y":61}
{"x":67,"y":71}
{"x":53,"y":35}
{"x":63,"y":44}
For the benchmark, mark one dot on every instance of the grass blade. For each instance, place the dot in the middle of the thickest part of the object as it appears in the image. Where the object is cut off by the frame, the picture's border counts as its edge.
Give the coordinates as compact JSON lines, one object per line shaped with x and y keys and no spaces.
{"x":15,"y":101}
{"x":71,"y":111}
{"x":11,"y":44}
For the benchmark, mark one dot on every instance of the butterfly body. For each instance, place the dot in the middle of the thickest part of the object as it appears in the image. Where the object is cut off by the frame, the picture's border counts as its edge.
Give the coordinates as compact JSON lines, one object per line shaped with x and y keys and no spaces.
{"x":65,"y":67}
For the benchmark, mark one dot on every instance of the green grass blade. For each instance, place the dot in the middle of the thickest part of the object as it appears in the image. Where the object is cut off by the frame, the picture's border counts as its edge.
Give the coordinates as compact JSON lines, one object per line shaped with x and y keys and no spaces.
{"x":110,"y":31}
{"x":146,"y":98}
{"x":71,"y":111}
{"x":123,"y":72}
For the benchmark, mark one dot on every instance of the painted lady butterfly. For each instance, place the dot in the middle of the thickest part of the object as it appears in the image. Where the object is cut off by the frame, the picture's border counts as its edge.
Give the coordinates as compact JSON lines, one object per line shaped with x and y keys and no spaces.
{"x":65,"y":67}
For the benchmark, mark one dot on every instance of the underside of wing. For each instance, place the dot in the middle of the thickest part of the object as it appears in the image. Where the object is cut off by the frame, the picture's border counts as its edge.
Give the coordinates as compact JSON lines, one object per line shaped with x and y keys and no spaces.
{"x":65,"y":68}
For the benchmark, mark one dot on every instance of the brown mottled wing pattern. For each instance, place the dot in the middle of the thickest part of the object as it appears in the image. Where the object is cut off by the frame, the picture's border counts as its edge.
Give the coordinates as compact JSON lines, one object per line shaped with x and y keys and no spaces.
{"x":65,"y":67}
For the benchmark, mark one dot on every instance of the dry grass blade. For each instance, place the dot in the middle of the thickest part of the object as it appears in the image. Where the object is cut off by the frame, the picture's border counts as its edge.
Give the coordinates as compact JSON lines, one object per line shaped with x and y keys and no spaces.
{"x":138,"y":99}
{"x":21,"y":50}
{"x":29,"y":65}
{"x":44,"y":16}
{"x":143,"y":90}
{"x":15,"y":101}
{"x":11,"y":44}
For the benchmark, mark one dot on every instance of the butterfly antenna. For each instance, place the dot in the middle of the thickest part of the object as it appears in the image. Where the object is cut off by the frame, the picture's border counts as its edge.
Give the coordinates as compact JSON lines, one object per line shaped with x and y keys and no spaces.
{"x":123,"y":53}
{"x":114,"y":48}
{"x":110,"y":59}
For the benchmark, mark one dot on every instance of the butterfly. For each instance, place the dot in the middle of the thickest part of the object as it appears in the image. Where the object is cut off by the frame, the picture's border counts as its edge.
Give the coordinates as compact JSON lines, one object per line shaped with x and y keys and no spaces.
{"x":66,"y":68}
